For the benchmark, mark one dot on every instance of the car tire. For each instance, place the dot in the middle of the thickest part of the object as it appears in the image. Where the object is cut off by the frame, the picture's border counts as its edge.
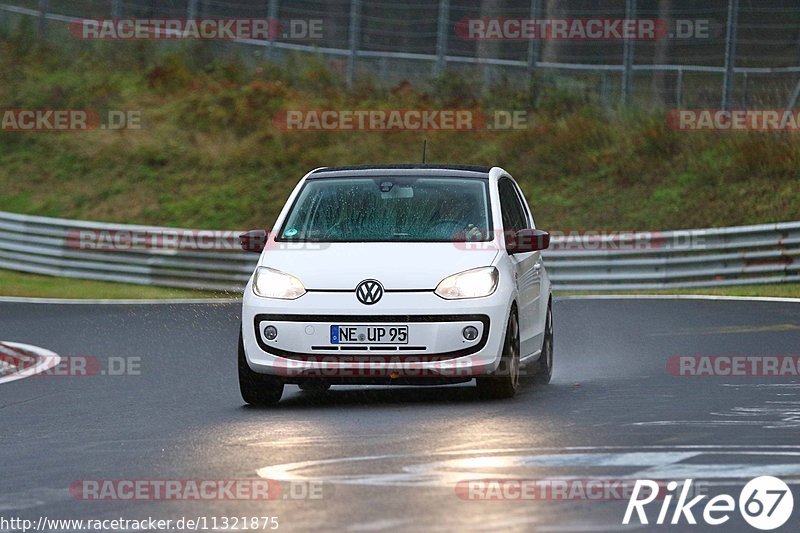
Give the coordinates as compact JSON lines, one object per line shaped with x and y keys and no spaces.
{"x":257,"y":389}
{"x":314,"y":386}
{"x":505,"y":382}
{"x":544,"y":365}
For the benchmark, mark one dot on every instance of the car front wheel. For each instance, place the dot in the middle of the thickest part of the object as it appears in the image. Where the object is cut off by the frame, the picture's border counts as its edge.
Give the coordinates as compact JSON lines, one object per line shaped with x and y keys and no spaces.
{"x":505,"y":382}
{"x":257,"y":389}
{"x":544,"y":370}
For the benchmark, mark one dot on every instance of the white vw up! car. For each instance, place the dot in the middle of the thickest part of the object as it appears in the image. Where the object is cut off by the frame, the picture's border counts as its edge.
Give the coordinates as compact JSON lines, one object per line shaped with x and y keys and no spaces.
{"x":408,"y":274}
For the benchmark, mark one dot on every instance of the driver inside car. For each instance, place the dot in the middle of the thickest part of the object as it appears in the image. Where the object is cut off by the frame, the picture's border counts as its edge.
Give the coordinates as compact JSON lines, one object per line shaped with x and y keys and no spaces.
{"x":454,"y":221}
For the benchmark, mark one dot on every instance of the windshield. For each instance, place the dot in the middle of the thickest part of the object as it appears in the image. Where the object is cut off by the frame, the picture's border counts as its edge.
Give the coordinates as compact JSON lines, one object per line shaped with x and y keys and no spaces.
{"x":390,"y":209}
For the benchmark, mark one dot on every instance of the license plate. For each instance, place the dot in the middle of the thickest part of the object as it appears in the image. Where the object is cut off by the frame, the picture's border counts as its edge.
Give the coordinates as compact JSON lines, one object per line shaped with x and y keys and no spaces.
{"x":369,"y":334}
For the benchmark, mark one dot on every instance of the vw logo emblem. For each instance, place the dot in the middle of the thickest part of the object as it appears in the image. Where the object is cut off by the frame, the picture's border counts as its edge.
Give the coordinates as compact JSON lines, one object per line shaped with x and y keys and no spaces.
{"x":369,"y":291}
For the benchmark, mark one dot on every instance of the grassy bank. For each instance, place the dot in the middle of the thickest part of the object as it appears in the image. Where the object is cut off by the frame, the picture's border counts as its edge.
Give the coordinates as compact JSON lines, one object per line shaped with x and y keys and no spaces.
{"x":209,"y":154}
{"x":19,"y":284}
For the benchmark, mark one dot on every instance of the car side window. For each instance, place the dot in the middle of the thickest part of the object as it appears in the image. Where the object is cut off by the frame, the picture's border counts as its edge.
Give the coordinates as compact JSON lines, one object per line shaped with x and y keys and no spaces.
{"x":526,"y":211}
{"x":514,"y":217}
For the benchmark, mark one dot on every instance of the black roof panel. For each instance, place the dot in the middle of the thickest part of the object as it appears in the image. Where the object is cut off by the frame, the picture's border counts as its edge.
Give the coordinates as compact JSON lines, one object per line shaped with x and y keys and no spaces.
{"x":417,"y":166}
{"x":439,"y":171}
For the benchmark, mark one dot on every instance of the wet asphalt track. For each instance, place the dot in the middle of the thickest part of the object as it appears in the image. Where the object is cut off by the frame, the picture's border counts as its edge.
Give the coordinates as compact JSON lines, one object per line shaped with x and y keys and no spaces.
{"x":611,"y":410}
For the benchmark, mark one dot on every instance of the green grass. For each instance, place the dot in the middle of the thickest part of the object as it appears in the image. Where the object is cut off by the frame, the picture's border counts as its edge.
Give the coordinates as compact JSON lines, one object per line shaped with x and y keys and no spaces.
{"x":35,"y":286}
{"x":209,"y":155}
{"x":783,"y":290}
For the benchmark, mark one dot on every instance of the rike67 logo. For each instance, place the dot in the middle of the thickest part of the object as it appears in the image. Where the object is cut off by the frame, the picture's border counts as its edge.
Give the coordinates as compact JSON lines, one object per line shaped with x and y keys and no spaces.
{"x":765,"y":503}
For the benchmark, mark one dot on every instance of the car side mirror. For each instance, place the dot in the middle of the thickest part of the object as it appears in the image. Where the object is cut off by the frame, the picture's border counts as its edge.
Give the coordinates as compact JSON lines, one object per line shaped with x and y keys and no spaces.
{"x":527,"y":240}
{"x":254,"y":240}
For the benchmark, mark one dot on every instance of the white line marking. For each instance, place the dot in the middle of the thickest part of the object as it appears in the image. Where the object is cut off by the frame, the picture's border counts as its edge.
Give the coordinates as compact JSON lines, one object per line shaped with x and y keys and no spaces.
{"x":586,"y":527}
{"x":628,"y":463}
{"x":65,"y":301}
{"x":677,"y":297}
{"x":32,"y":498}
{"x":47,"y":360}
{"x":380,"y":525}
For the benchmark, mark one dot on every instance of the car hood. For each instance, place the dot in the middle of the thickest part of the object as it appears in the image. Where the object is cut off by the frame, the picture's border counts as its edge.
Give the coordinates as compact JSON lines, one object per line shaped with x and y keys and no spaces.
{"x":407,"y":266}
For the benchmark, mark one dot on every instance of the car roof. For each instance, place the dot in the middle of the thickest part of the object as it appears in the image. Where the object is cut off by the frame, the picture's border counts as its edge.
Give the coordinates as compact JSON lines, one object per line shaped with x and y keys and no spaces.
{"x":401,"y":170}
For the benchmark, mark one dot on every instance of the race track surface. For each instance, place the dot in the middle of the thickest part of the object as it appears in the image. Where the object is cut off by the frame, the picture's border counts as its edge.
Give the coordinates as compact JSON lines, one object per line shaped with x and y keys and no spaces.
{"x":389,"y":458}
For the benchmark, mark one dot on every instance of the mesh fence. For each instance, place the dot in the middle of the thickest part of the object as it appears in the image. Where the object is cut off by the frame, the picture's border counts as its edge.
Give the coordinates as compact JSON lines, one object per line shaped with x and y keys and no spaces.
{"x":416,"y":39}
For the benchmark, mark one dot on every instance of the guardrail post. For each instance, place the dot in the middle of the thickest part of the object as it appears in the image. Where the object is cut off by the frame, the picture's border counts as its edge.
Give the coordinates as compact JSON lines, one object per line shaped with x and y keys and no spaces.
{"x":745,"y":89}
{"x":679,"y":89}
{"x":116,"y":9}
{"x":191,"y":9}
{"x":44,"y":7}
{"x":534,"y":45}
{"x":627,"y":55}
{"x":355,"y":36}
{"x":730,"y":53}
{"x":272,"y":15}
{"x":441,"y":36}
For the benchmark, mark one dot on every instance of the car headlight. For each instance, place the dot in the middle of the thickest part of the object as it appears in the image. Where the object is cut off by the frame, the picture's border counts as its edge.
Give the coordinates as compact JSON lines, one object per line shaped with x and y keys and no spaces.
{"x":473,"y":283}
{"x":270,"y":283}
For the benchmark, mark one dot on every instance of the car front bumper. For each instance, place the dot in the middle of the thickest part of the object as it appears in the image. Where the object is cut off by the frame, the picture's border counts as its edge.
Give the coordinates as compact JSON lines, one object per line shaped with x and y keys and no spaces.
{"x":436,"y":349}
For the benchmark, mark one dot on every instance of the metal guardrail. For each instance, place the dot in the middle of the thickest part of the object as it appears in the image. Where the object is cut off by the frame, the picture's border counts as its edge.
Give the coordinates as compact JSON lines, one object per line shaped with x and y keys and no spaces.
{"x":760,"y":254}
{"x":744,"y":255}
{"x":49,"y":246}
